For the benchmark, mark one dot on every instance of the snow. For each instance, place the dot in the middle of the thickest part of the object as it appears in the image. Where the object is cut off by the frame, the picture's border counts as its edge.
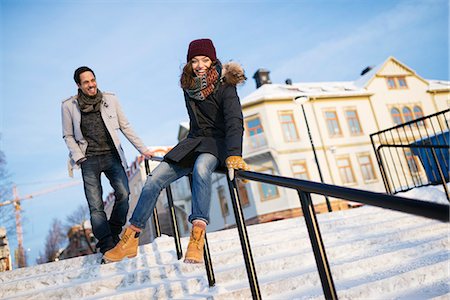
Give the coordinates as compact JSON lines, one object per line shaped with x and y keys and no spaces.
{"x":373,"y":253}
{"x":429,"y":193}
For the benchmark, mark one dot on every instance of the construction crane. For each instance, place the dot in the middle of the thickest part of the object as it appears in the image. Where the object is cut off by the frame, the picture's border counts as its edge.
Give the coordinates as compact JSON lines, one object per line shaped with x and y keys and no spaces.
{"x":21,"y":262}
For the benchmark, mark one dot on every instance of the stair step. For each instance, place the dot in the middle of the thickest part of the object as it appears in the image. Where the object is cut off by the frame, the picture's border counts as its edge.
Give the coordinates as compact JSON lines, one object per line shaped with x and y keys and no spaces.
{"x":283,"y":259}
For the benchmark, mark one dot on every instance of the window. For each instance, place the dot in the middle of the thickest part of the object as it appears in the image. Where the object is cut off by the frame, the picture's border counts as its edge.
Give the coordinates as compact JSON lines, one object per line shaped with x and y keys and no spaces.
{"x":345,"y":170}
{"x":353,"y":122}
{"x":268,"y":191}
{"x":299,"y":170}
{"x":418,"y":113}
{"x":365,"y":163}
{"x":407,"y":114}
{"x":396,"y":82}
{"x":223,"y":201}
{"x":254,"y":126}
{"x":402,"y":82}
{"x":391,"y":82}
{"x":243,"y":195}
{"x":396,"y":116}
{"x":288,"y":126}
{"x":411,"y":160}
{"x":255,"y":132}
{"x":332,"y":123}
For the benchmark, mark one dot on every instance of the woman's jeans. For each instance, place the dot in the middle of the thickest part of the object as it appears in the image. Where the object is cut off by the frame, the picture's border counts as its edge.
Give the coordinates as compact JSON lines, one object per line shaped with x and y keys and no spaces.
{"x":106,"y":232}
{"x":165,"y":174}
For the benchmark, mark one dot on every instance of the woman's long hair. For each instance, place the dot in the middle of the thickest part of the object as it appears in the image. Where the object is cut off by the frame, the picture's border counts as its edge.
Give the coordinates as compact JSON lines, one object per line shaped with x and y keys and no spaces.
{"x":187,"y":76}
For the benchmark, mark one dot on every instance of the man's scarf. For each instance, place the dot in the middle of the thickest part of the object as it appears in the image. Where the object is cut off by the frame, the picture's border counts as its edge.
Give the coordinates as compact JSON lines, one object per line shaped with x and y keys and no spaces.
{"x":89,"y":104}
{"x":207,"y":84}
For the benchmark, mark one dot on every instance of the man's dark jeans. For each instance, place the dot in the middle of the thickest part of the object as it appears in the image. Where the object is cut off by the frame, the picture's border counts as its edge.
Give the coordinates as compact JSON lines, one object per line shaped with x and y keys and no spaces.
{"x":106,"y":232}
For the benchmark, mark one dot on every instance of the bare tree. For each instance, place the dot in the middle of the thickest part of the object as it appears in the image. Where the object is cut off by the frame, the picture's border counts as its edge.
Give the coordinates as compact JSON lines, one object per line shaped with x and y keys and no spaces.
{"x":78,"y":217}
{"x":53,"y":243}
{"x":7,"y":217}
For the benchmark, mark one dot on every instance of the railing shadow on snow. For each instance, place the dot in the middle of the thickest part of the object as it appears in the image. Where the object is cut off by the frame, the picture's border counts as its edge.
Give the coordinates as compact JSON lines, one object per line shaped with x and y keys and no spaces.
{"x":304,"y":188}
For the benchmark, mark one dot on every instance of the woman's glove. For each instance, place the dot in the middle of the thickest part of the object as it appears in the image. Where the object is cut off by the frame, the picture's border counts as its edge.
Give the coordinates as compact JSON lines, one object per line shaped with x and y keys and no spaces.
{"x":235,"y":163}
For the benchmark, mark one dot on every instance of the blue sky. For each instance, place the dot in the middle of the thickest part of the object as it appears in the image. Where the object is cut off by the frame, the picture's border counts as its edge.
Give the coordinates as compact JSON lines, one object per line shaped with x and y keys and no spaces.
{"x":137,"y":49}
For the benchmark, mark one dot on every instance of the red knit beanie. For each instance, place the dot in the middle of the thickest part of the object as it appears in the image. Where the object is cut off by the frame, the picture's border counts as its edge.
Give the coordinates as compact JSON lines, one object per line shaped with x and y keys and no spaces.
{"x":201,"y":47}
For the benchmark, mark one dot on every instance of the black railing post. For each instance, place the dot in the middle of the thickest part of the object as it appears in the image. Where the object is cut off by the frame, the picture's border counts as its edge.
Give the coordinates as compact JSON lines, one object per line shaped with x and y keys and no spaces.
{"x":317,"y":244}
{"x":243,"y":236}
{"x":176,"y":232}
{"x":430,"y":147}
{"x":206,"y":253}
{"x":155,"y":211}
{"x":380,"y":166}
{"x":441,"y":174}
{"x":208,"y":264}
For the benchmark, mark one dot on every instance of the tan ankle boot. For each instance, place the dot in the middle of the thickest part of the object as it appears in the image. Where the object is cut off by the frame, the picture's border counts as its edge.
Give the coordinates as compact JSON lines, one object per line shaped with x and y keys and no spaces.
{"x":127,"y":247}
{"x":194,"y":253}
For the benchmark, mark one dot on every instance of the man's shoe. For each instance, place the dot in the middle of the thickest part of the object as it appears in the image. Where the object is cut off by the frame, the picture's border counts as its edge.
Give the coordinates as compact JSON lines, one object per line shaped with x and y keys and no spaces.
{"x":116,"y":239}
{"x":127,"y":247}
{"x":105,"y":244}
{"x":194,"y":253}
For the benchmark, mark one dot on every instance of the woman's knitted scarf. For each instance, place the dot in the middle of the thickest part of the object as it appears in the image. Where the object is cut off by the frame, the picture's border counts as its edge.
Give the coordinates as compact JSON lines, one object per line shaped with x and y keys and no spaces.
{"x":207,"y":84}
{"x":89,"y":104}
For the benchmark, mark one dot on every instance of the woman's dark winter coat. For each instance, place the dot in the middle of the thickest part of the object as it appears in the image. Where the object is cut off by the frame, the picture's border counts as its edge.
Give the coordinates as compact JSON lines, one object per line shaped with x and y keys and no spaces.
{"x":216,"y":123}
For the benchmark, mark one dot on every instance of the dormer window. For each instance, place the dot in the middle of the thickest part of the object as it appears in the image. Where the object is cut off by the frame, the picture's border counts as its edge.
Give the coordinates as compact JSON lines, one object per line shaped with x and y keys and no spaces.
{"x":401,"y":82}
{"x":396,"y":82}
{"x":391,"y":83}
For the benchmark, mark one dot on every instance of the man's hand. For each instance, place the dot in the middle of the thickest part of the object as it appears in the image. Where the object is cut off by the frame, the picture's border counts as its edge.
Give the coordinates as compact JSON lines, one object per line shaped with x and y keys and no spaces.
{"x":148,"y":154}
{"x":81,"y":160}
{"x":235,"y":163}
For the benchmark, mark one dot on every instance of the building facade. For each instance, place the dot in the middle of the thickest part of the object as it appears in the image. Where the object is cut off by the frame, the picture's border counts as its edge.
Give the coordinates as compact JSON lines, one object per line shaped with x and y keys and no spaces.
{"x":5,"y":254}
{"x":81,"y":242}
{"x":341,"y":116}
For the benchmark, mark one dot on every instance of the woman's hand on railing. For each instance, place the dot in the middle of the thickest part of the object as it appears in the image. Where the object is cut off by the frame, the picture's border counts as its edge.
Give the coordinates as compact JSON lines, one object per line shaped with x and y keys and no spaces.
{"x":235,"y":163}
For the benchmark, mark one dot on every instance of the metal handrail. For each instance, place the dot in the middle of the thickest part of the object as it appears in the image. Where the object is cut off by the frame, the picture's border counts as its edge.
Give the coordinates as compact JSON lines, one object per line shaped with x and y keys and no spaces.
{"x":206,"y":254}
{"x":174,"y":222}
{"x":435,"y":158}
{"x":417,"y":207}
{"x":155,"y":211}
{"x":418,"y":120}
{"x":243,"y":237}
{"x":425,"y":138}
{"x":305,"y":188}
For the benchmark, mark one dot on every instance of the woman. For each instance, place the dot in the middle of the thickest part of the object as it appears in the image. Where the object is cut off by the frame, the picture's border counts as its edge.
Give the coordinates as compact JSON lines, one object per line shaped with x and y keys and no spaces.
{"x":214,"y":139}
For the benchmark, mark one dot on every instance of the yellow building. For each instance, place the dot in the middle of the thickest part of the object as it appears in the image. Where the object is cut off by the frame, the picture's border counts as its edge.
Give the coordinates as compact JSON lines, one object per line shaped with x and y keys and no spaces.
{"x":341,"y":116}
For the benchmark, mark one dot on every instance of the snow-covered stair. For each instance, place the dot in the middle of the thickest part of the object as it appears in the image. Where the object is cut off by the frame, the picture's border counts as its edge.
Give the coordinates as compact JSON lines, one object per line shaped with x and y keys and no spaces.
{"x":373,"y":253}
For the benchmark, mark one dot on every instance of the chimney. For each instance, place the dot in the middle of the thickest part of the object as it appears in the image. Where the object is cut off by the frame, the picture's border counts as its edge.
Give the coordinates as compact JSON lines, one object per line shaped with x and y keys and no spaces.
{"x":288,"y":81}
{"x":261,"y":77}
{"x":367,"y":69}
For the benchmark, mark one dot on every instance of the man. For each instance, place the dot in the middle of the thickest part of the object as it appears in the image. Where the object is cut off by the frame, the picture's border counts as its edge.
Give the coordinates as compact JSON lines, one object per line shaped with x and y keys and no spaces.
{"x":91,"y":121}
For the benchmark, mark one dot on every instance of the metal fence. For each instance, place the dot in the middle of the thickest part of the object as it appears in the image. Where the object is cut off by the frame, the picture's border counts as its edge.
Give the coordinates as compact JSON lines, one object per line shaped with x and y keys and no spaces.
{"x":414,"y":154}
{"x":305,"y":189}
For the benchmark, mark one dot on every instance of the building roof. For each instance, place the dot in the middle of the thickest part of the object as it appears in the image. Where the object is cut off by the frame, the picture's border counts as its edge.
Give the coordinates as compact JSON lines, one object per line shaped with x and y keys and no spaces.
{"x":357,"y":87}
{"x":439,"y":85}
{"x":310,"y":89}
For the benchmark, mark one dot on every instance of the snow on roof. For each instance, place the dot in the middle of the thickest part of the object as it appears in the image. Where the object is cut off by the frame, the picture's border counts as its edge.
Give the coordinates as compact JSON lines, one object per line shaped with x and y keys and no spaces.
{"x":328,"y":89}
{"x":311,"y":89}
{"x":438,"y":85}
{"x":363,"y":80}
